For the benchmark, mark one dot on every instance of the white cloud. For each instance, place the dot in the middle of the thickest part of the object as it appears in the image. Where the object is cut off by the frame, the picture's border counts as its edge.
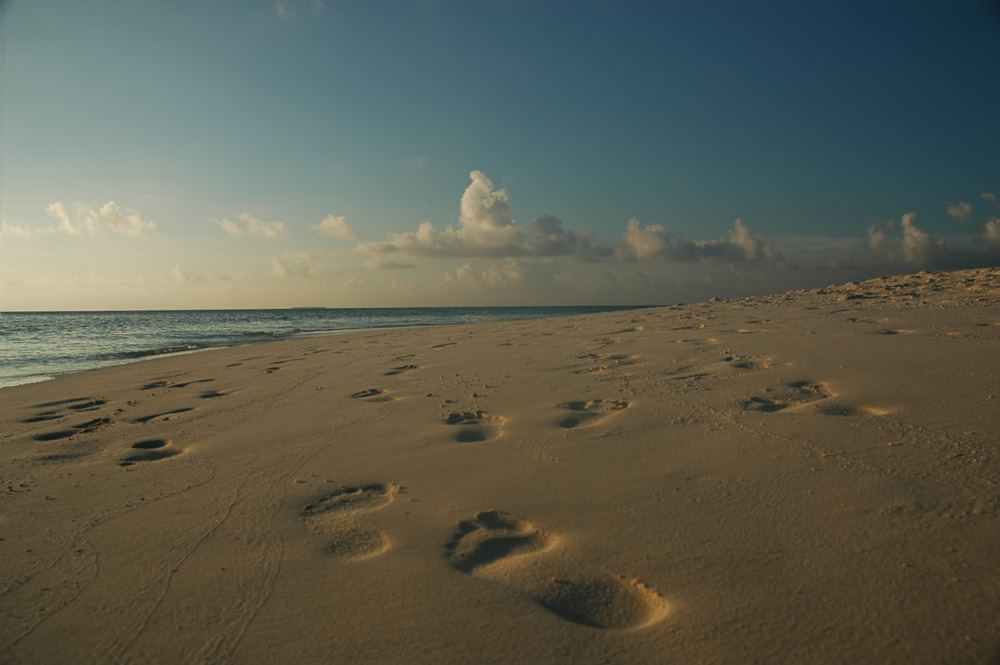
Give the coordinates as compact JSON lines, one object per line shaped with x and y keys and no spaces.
{"x":131,"y":223}
{"x":486,"y":229}
{"x":987,"y":196}
{"x":654,"y":243}
{"x":11,"y":231}
{"x":915,"y":248}
{"x":294,"y":264}
{"x":66,"y":225}
{"x":991,"y":233}
{"x":335,"y":227}
{"x":251,"y":226}
{"x":960,"y":211}
{"x":87,"y":220}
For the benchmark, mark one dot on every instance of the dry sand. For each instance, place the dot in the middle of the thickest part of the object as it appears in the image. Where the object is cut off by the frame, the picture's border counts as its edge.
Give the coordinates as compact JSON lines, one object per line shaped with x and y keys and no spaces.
{"x":806,"y":477}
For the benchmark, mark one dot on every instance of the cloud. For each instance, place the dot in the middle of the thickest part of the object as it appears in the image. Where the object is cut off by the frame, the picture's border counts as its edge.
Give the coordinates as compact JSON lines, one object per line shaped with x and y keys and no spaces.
{"x":302,"y":264}
{"x":335,"y":227}
{"x":486,"y":229}
{"x":131,"y":223}
{"x":654,"y":243}
{"x":960,"y":211}
{"x":251,"y":226}
{"x":281,"y":10}
{"x":66,"y":225}
{"x":991,"y":234}
{"x":11,"y":231}
{"x":916,"y":247}
{"x":89,"y":221}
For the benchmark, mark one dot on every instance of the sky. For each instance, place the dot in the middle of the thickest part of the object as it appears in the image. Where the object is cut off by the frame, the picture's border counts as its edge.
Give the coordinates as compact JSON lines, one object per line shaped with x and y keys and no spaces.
{"x":174,"y":154}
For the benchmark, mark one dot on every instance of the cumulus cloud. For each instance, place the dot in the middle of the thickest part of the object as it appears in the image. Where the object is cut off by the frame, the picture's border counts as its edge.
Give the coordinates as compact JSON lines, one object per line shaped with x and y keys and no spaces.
{"x":960,"y":211}
{"x":486,"y":229}
{"x":987,"y":196}
{"x":88,"y":221}
{"x":335,"y":227}
{"x":302,"y":264}
{"x":251,"y":226}
{"x":130,"y":223}
{"x":654,"y":243}
{"x":915,"y":247}
{"x":991,"y":234}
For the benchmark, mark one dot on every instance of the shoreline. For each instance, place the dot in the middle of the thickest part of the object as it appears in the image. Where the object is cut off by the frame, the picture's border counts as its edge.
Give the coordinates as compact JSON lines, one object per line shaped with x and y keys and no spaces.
{"x":35,"y":343}
{"x":809,"y":476}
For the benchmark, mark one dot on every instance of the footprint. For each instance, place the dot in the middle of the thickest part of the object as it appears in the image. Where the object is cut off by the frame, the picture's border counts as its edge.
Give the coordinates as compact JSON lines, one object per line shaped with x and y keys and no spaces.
{"x":587,"y":413}
{"x":91,"y":405}
{"x":492,"y":544}
{"x":848,"y":410}
{"x":62,"y":402}
{"x":399,"y":370}
{"x":94,"y":425}
{"x":474,"y":426}
{"x":156,"y":384}
{"x":793,"y":394}
{"x":43,"y":417}
{"x":150,"y":450}
{"x":164,"y":416}
{"x":332,"y":516}
{"x":55,"y":436}
{"x":211,"y":394}
{"x":374,"y":395}
{"x":191,"y":383}
{"x":493,"y":536}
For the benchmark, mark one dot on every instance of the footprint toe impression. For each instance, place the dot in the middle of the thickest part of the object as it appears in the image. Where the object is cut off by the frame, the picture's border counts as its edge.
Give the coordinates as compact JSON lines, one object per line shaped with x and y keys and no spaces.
{"x":492,"y":536}
{"x":605,"y":601}
{"x":333,"y":517}
{"x":586,"y":413}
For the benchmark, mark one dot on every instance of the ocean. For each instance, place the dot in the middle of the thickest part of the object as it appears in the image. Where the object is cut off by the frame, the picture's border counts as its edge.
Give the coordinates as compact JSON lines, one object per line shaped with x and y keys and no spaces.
{"x":37,"y":346}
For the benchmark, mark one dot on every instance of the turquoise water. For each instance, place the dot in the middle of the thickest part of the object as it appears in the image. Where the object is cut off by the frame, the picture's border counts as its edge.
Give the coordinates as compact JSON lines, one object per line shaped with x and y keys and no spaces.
{"x":36,"y":346}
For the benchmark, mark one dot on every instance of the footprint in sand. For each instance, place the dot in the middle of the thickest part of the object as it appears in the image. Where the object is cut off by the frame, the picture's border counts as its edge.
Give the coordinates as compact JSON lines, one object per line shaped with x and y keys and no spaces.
{"x":150,"y":450}
{"x":587,"y":413}
{"x":333,"y":517}
{"x":399,"y":370}
{"x":166,"y":415}
{"x":43,"y":417}
{"x":474,"y":426}
{"x":493,"y":545}
{"x":374,"y":395}
{"x":792,"y":394}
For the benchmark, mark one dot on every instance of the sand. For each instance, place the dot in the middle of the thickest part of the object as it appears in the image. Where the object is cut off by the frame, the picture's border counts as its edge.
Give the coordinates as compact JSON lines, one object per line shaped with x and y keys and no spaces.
{"x":804,"y":477}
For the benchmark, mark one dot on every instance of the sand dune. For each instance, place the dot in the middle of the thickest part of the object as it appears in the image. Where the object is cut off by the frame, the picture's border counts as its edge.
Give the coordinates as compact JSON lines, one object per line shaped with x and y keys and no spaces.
{"x":801,"y":477}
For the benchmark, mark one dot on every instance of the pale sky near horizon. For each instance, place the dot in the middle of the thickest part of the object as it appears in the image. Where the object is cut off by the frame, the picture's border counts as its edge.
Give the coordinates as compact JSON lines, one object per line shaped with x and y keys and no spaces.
{"x":350,"y":153}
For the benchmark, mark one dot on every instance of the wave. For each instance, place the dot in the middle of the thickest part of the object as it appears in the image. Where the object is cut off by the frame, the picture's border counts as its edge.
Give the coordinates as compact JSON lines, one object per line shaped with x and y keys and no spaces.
{"x":145,"y":353}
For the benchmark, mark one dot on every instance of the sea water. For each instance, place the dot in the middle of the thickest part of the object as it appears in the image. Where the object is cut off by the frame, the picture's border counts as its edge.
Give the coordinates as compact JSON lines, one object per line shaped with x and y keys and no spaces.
{"x":36,"y":346}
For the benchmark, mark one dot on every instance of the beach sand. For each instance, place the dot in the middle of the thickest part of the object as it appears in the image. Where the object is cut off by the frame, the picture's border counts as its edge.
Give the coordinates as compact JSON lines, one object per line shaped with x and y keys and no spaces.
{"x":805,"y":477}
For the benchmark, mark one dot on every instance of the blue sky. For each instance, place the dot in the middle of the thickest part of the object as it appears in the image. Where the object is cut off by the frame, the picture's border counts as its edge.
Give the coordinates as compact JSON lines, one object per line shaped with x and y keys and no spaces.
{"x":237,"y":153}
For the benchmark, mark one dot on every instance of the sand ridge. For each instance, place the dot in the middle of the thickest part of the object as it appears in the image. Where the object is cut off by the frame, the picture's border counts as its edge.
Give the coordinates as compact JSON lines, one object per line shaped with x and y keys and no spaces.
{"x":800,"y":477}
